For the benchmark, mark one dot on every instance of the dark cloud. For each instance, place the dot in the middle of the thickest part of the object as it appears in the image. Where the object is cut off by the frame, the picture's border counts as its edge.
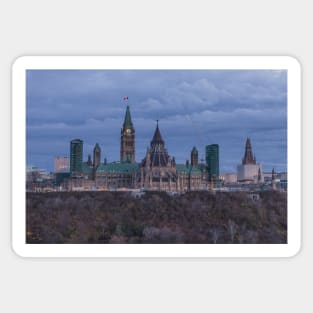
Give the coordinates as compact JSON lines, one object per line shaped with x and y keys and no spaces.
{"x":195,"y":107}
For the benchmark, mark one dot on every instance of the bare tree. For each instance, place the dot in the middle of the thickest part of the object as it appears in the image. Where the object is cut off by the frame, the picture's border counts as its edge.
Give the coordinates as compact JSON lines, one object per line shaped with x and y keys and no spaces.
{"x":232,"y":229}
{"x":215,"y":232}
{"x":241,"y":233}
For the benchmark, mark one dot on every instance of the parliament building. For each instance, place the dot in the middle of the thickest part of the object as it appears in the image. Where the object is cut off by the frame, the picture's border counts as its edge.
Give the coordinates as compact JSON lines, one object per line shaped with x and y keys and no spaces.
{"x":157,"y":171}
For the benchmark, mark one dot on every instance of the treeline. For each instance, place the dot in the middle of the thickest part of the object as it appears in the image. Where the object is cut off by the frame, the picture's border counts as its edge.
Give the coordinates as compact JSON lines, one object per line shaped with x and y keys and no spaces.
{"x":118,"y":217}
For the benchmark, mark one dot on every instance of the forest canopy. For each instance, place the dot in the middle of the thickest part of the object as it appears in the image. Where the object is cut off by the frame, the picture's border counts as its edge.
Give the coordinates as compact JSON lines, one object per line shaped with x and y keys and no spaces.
{"x":156,"y":217}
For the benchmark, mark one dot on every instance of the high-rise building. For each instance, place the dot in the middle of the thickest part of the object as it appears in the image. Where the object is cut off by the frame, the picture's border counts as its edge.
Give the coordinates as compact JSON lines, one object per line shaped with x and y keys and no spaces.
{"x":76,"y":157}
{"x":212,"y":162}
{"x":61,"y":164}
{"x":194,"y":157}
{"x":127,"y":153}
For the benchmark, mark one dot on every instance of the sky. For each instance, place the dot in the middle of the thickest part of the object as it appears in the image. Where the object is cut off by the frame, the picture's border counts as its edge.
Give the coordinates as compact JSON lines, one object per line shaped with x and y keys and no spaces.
{"x":194,"y":108}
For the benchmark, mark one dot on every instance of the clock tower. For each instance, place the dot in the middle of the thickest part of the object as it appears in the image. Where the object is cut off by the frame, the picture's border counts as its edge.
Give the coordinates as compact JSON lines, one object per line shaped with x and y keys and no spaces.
{"x":127,"y":140}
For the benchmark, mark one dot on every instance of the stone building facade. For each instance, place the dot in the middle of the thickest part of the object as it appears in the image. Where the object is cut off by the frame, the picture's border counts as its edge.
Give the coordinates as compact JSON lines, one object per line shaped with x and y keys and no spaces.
{"x":157,"y":171}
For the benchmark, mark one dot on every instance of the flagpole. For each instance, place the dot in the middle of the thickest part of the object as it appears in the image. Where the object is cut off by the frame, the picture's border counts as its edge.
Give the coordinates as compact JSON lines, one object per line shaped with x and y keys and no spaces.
{"x":126,"y":99}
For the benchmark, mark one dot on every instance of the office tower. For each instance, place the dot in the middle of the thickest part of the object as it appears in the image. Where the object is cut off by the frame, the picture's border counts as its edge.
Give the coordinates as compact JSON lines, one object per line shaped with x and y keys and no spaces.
{"x":76,"y":157}
{"x":212,"y":162}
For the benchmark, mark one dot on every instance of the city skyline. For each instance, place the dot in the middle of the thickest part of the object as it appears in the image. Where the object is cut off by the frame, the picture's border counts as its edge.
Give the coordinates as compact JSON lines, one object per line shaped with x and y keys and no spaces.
{"x":195,"y":108}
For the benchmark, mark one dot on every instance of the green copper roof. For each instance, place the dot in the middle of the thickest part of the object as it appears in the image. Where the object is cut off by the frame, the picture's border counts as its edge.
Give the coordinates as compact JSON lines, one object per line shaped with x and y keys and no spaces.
{"x":181,"y":168}
{"x":86,"y":168}
{"x":97,"y":147}
{"x":202,"y":167}
{"x":118,"y":168}
{"x":128,"y":120}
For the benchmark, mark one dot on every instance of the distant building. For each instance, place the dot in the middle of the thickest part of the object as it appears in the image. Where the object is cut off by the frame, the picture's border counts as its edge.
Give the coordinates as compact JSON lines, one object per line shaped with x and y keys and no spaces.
{"x":279,"y":179}
{"x":38,"y":179}
{"x":212,"y":162}
{"x":76,"y":157}
{"x":267,"y":176}
{"x":282,"y":176}
{"x":230,"y":178}
{"x":249,"y":171}
{"x":61,"y":164}
{"x":35,"y":173}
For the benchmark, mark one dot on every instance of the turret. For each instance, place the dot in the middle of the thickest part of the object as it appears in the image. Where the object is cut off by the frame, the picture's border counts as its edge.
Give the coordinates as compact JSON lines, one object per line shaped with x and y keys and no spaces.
{"x":259,"y":176}
{"x":194,"y":157}
{"x":273,"y":179}
{"x":89,"y":162}
{"x":96,"y":155}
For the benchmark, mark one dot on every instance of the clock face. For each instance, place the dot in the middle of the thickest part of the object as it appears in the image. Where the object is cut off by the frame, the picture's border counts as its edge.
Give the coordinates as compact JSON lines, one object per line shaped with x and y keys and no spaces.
{"x":128,"y":131}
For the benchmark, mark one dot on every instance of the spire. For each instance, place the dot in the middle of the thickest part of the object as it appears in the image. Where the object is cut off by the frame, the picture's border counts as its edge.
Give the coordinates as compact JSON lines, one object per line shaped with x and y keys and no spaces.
{"x":89,"y":162}
{"x":158,"y":153}
{"x":273,"y":180}
{"x":248,"y":157}
{"x":259,"y":175}
{"x":273,"y":174}
{"x":128,"y":120}
{"x":173,"y":161}
{"x":157,"y":138}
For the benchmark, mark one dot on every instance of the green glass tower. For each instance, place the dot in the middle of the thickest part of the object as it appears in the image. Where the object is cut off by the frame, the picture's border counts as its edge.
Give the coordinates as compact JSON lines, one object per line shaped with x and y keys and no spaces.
{"x":212,"y":162}
{"x":76,"y":157}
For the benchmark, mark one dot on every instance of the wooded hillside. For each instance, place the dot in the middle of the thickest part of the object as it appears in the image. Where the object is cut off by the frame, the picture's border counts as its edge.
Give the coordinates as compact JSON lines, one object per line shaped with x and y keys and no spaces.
{"x":156,"y":217}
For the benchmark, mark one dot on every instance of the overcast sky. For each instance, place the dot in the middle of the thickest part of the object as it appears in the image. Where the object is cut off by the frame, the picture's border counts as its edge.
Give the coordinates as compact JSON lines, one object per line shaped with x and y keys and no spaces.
{"x":195,"y":108}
